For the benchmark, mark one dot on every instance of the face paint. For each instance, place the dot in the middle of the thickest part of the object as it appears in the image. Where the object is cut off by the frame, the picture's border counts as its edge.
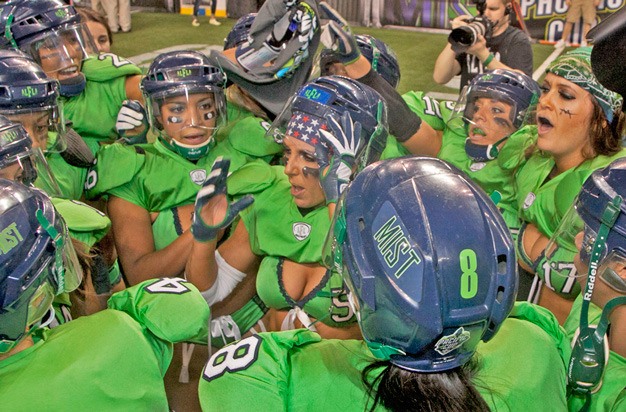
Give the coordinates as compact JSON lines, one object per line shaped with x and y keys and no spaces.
{"x":567,"y":112}
{"x":310,"y":171}
{"x":174,"y":119}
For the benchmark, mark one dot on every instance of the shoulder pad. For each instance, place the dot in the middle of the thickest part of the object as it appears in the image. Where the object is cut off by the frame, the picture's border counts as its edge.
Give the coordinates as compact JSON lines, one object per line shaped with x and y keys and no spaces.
{"x":107,"y":66}
{"x":253,"y":177}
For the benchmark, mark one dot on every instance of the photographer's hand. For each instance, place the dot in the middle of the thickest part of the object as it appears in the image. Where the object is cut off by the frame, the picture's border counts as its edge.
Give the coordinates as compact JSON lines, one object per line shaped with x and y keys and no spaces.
{"x":460,"y":21}
{"x":479,"y":49}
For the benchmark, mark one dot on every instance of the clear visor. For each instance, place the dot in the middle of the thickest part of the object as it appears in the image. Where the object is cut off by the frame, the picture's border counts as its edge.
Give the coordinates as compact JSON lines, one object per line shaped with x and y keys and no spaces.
{"x":185,"y":107}
{"x":20,"y":168}
{"x":45,"y":126}
{"x":561,"y":247}
{"x":62,"y":51}
{"x":331,"y":251}
{"x":278,"y":129}
{"x":67,"y":269}
{"x":486,"y":117}
{"x":40,"y":302}
{"x":612,"y":270}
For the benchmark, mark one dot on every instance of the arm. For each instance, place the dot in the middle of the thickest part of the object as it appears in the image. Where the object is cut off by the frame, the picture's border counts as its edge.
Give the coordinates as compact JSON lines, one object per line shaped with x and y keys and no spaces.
{"x":214,"y":274}
{"x":133,"y":91}
{"x":446,"y":66}
{"x":132,"y":231}
{"x":417,"y":136}
{"x":201,"y":268}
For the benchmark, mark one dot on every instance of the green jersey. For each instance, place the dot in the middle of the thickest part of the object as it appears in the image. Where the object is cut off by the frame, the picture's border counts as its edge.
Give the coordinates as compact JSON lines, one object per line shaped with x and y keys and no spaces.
{"x":152,"y":176}
{"x":112,"y":360}
{"x":278,"y":231}
{"x":159,"y":180}
{"x":94,"y":112}
{"x":246,"y":134}
{"x":71,"y":179}
{"x":612,"y":393}
{"x":297,"y":370}
{"x":543,"y":202}
{"x":495,"y":177}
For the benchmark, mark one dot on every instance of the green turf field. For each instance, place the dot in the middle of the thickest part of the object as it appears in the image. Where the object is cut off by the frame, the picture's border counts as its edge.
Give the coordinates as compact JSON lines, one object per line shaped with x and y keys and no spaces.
{"x":416,"y":51}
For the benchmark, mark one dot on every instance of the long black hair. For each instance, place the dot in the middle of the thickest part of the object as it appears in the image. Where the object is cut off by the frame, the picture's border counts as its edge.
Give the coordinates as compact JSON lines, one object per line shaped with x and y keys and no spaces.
{"x":399,"y":389}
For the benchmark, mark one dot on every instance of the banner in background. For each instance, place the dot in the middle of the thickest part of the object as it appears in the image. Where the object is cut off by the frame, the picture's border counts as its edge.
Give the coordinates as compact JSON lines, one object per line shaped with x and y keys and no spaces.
{"x":544,"y":19}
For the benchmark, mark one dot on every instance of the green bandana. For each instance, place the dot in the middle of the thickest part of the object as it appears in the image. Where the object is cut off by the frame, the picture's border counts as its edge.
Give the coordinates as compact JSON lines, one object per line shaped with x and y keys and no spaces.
{"x":575,"y":66}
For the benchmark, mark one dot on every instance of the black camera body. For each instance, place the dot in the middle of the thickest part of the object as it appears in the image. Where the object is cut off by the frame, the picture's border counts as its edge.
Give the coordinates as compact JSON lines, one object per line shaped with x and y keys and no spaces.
{"x":464,"y":37}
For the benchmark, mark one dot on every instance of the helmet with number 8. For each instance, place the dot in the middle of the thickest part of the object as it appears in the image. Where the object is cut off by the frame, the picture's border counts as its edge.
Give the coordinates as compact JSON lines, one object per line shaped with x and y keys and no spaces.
{"x":37,"y":262}
{"x":332,"y":96}
{"x":428,"y":259}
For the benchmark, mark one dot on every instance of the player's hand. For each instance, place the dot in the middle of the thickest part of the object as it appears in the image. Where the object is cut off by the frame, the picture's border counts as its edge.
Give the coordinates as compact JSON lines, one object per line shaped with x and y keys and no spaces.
{"x":279,"y":39}
{"x":337,"y":36}
{"x":337,"y":163}
{"x":132,"y":122}
{"x":212,"y":211}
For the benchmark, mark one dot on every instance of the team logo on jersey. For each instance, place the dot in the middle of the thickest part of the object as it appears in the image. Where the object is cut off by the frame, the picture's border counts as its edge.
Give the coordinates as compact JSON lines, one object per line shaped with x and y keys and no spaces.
{"x":475,"y":167}
{"x":301,"y":230}
{"x":449,"y":343}
{"x":530,"y":199}
{"x":198,"y":176}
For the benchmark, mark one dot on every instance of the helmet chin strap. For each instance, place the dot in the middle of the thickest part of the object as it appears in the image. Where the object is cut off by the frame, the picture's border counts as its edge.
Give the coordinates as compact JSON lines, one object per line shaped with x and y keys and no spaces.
{"x":74,"y":86}
{"x":586,"y":366}
{"x":483,"y":153}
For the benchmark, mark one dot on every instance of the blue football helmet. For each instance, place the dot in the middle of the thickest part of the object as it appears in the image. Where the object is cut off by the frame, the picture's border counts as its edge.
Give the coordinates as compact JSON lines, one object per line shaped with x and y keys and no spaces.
{"x":382,"y":58}
{"x":20,"y":162}
{"x":428,"y":259}
{"x":180,"y":74}
{"x":332,"y":96}
{"x":29,"y":97}
{"x":601,"y":212}
{"x":518,"y":91}
{"x":37,"y":261}
{"x":239,"y":33}
{"x":51,"y":32}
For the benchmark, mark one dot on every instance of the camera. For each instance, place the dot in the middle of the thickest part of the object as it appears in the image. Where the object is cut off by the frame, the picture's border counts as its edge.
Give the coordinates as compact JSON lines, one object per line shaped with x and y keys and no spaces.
{"x":464,"y":37}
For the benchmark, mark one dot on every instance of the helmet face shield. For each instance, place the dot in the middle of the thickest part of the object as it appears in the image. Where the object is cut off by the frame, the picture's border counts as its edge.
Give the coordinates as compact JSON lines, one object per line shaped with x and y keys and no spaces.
{"x":561,"y":247}
{"x":485,"y":117}
{"x":187,"y":106}
{"x":62,"y":51}
{"x":45,"y":126}
{"x":67,"y":271}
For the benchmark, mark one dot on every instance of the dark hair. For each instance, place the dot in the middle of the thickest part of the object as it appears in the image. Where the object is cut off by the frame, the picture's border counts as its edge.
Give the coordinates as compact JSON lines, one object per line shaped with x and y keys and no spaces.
{"x":399,"y":389}
{"x":605,"y":138}
{"x":86,"y":14}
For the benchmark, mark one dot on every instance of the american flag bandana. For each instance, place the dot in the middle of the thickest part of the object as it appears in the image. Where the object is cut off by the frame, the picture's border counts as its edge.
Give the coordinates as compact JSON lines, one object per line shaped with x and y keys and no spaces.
{"x":303,"y":126}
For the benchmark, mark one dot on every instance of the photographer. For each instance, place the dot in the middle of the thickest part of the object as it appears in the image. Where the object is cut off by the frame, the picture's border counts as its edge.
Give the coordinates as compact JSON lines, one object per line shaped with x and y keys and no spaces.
{"x":501,"y":46}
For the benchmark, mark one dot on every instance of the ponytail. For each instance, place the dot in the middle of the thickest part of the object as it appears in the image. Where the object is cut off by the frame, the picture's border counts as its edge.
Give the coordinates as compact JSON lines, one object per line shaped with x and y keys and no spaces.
{"x":399,"y":389}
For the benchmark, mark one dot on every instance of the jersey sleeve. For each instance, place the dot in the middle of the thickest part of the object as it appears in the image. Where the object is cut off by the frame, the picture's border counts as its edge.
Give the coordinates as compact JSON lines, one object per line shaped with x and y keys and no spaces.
{"x":85,"y":223}
{"x":116,"y":165}
{"x":247,"y":136}
{"x":255,"y":369}
{"x":426,"y":107}
{"x":107,"y":66}
{"x":171,"y":309}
